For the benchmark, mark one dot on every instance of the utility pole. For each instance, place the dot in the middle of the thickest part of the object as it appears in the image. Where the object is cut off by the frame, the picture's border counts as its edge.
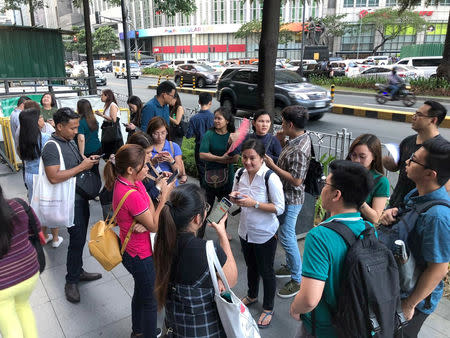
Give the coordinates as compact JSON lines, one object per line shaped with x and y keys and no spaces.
{"x":303,"y":37}
{"x":90,"y":59}
{"x":126,"y":40}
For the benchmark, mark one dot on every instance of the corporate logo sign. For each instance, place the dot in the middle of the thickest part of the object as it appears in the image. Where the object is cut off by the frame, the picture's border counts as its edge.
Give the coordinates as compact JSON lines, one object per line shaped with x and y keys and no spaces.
{"x":180,"y":30}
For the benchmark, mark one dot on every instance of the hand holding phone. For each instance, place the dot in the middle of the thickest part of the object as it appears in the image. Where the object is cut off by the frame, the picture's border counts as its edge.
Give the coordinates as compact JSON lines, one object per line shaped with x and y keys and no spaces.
{"x":236,"y":195}
{"x":173,"y":177}
{"x":219,"y":211}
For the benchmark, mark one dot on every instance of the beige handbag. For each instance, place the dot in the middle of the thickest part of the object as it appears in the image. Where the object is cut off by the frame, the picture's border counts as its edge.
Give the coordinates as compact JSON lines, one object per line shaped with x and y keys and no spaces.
{"x":104,"y":242}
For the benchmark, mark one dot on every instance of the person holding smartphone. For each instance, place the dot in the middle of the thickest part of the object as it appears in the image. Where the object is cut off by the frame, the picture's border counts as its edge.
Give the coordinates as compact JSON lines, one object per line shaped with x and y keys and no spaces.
{"x":185,"y":289}
{"x":259,"y":193}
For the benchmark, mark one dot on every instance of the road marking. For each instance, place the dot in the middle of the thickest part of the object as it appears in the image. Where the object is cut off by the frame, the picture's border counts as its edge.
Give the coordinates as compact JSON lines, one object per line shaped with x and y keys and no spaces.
{"x":396,"y":107}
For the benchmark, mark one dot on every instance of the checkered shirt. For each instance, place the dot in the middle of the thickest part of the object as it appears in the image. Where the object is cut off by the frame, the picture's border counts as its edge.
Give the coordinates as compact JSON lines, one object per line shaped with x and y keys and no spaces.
{"x":191,"y":311}
{"x":294,"y":158}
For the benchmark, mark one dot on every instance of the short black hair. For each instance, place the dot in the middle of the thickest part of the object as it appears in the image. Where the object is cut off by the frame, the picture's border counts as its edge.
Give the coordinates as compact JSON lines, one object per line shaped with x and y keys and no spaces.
{"x":204,"y":98}
{"x":353,"y":181}
{"x":53,"y":104}
{"x":64,"y":115}
{"x":259,"y":113}
{"x":165,"y":87}
{"x":298,"y":115}
{"x":438,"y":158}
{"x":22,"y":99}
{"x":436,"y":110}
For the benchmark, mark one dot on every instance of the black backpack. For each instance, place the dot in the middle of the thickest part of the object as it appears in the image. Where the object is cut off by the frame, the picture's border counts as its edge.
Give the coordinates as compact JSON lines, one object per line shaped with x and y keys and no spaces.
{"x":369,"y":295}
{"x":314,"y":174}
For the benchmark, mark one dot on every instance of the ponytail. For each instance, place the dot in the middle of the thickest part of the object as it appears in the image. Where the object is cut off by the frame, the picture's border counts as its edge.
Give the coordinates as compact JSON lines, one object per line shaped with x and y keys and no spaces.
{"x":185,"y":202}
{"x":110,"y":175}
{"x":165,"y":247}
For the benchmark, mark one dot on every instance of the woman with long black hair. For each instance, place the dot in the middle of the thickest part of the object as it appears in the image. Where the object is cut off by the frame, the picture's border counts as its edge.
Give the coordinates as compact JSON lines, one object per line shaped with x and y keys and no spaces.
{"x":176,"y":115}
{"x":88,"y":141}
{"x":183,"y":284}
{"x":31,"y":142}
{"x":19,"y":270}
{"x":110,"y":115}
{"x":219,"y":173}
{"x":135,"y":105}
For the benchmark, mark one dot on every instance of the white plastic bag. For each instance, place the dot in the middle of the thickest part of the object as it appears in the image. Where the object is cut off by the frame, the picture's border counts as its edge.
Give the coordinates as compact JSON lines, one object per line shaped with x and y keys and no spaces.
{"x":235,"y":316}
{"x":54,"y":204}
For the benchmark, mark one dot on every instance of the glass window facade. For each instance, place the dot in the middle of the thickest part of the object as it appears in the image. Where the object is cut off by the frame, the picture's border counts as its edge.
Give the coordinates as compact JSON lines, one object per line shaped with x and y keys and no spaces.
{"x":349,"y":3}
{"x":396,"y":44}
{"x":391,"y":3}
{"x":436,"y":33}
{"x":256,"y":10}
{"x":158,"y":19}
{"x":296,"y":10}
{"x":372,"y":3}
{"x":237,"y":11}
{"x":219,"y":12}
{"x":184,"y":20}
{"x":349,"y":41}
{"x":360,"y":3}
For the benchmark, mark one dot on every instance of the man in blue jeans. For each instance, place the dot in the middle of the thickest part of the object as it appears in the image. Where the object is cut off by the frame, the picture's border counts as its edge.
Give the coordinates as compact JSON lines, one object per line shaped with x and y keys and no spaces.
{"x":66,"y":123}
{"x":292,"y":167}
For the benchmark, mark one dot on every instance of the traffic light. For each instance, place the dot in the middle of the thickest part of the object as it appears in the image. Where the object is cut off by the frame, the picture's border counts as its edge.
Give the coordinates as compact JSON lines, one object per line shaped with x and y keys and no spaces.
{"x":97,"y":18}
{"x":75,"y":39}
{"x":136,"y":34}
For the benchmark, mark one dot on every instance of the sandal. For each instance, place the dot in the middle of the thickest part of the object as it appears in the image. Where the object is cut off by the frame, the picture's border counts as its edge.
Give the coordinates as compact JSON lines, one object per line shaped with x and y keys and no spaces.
{"x":247,"y":301}
{"x":266,"y":314}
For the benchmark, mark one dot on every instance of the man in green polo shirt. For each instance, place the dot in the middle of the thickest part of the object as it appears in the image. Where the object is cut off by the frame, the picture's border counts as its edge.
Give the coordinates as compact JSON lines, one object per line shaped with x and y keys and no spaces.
{"x":344,"y":190}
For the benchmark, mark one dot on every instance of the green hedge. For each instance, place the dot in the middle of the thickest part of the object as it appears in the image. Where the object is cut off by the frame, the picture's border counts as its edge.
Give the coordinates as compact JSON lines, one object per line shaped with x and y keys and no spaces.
{"x":420,"y":86}
{"x":188,"y":149}
{"x":157,"y":71}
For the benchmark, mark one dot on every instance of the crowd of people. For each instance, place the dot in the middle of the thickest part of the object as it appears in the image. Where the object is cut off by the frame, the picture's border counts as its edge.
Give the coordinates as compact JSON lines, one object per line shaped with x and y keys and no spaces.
{"x":170,"y":270}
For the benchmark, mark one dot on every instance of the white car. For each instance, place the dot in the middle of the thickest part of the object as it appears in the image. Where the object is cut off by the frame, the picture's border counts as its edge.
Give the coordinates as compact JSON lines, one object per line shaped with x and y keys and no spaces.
{"x":384,"y":72}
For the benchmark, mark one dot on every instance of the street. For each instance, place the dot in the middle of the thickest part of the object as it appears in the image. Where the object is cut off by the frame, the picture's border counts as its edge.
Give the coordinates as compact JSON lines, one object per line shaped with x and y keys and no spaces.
{"x":387,"y":131}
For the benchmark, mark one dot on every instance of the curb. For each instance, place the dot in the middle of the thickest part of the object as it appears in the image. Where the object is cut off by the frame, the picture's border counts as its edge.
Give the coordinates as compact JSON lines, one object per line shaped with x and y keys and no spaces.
{"x":380,"y":114}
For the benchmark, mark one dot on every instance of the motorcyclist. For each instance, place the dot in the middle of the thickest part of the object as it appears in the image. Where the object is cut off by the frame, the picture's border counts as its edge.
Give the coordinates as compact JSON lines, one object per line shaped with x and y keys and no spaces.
{"x":395,"y":82}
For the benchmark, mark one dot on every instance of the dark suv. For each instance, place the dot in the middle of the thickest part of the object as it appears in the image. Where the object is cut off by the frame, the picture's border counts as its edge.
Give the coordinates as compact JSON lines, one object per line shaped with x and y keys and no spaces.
{"x":203,"y":74}
{"x":237,"y":89}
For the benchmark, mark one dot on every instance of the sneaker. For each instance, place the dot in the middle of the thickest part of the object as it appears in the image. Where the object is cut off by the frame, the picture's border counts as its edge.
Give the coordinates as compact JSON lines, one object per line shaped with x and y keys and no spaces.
{"x":158,"y":332}
{"x":283,"y":272}
{"x":49,"y":238}
{"x":58,"y":242}
{"x":289,"y":290}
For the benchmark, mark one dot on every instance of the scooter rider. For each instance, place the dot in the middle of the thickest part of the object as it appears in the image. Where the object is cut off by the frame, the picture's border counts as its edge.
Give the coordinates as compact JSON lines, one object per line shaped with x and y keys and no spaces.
{"x":395,"y":82}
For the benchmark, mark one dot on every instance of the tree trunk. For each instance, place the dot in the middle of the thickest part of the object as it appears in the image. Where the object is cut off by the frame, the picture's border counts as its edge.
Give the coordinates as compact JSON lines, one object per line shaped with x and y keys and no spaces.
{"x":444,"y":68}
{"x":268,"y":47}
{"x":379,"y":46}
{"x":30,"y":4}
{"x":90,"y":59}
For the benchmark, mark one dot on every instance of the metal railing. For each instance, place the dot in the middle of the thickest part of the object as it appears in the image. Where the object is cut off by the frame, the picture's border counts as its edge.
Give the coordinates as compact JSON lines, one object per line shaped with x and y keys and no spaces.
{"x":37,"y":85}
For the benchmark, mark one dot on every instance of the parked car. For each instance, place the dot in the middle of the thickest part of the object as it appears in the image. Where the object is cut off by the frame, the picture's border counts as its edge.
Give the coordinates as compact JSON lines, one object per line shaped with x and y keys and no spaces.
{"x":379,"y":60}
{"x":100,"y":78}
{"x":319,"y":69}
{"x":338,"y":67}
{"x":382,"y":72}
{"x":146,"y":62}
{"x":177,"y":62}
{"x":203,"y":74}
{"x":159,"y":64}
{"x":427,"y":64}
{"x":237,"y":89}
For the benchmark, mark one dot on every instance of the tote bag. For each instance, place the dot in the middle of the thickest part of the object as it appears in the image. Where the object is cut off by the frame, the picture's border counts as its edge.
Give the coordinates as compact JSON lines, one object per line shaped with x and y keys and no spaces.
{"x":234,"y":315}
{"x":53,"y":203}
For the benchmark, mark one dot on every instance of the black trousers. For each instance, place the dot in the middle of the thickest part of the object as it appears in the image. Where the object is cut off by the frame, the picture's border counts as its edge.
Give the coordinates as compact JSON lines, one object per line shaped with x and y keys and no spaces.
{"x":200,"y":166}
{"x":259,"y":259}
{"x":414,"y":325}
{"x":211,"y":195}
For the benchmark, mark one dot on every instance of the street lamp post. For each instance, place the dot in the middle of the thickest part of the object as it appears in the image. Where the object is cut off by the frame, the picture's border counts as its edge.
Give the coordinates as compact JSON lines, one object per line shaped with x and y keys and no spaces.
{"x":126,"y":40}
{"x":303,"y":37}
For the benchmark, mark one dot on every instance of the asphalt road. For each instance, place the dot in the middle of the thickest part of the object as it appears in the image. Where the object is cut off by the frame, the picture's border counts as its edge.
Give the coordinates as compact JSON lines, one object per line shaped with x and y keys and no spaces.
{"x":387,"y":131}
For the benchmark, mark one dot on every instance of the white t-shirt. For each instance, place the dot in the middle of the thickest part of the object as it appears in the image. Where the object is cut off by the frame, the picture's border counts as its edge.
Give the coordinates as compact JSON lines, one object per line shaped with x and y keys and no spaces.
{"x":107,"y":110}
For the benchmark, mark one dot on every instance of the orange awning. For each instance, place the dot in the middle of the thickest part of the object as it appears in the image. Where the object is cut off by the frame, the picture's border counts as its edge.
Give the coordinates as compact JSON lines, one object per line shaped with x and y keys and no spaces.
{"x":293,"y":27}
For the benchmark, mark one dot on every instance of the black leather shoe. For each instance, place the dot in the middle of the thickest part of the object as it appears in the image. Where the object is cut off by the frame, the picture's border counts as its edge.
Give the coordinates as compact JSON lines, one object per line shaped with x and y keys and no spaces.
{"x":89,"y":276}
{"x":72,"y":293}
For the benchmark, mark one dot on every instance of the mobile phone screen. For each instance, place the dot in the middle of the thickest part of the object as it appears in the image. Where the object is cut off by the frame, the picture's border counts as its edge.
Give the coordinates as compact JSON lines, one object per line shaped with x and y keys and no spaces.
{"x":219,"y":211}
{"x":174,"y":176}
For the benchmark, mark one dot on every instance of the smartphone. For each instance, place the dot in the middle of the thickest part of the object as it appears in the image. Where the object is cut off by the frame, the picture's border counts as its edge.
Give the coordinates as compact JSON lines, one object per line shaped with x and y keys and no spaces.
{"x":174,"y":176}
{"x":219,"y":211}
{"x":238,"y":197}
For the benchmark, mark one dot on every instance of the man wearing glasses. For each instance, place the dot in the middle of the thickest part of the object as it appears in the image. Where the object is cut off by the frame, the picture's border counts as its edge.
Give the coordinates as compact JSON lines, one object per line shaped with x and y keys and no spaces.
{"x":429,"y":169}
{"x":159,"y":105}
{"x":425,"y":122}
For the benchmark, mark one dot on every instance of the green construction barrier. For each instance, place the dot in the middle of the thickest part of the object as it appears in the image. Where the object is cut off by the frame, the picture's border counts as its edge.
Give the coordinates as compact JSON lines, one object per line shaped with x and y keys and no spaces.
{"x":8,"y":105}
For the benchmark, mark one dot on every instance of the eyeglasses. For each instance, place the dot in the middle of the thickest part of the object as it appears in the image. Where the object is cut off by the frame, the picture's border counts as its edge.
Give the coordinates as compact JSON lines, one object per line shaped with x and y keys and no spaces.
{"x":323,"y":182}
{"x":419,"y":114}
{"x":411,"y":159}
{"x":174,"y":96}
{"x":164,"y":133}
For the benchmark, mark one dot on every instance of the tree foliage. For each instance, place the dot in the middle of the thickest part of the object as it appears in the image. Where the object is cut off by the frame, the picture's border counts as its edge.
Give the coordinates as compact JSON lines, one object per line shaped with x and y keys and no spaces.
{"x":334,"y":26}
{"x":390,"y":23}
{"x":253,"y":29}
{"x":79,"y":45}
{"x":172,"y":7}
{"x":16,"y":4}
{"x":105,"y":40}
{"x":443,"y":70}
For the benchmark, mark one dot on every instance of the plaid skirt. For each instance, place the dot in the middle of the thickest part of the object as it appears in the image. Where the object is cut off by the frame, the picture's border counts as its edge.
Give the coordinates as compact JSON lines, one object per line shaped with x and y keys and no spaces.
{"x":191,"y":311}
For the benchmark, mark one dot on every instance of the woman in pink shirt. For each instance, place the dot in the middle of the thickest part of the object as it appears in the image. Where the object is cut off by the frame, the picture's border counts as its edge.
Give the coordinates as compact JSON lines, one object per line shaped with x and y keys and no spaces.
{"x":125,"y":172}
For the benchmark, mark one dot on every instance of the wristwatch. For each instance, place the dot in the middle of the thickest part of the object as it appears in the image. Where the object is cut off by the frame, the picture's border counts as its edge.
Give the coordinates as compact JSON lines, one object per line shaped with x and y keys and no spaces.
{"x":256,"y":206}
{"x":173,"y":162}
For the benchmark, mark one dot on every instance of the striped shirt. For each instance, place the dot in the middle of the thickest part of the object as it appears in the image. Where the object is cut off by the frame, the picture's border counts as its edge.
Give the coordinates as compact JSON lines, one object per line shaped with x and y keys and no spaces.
{"x":20,"y":262}
{"x":294,"y":158}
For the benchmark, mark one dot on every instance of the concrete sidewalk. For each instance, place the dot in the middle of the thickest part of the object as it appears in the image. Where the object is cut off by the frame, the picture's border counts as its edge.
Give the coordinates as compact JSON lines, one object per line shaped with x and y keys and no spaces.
{"x":105,"y":307}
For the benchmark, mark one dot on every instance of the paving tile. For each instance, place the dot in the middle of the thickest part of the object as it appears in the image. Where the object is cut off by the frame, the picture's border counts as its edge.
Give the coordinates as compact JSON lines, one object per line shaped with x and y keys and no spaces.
{"x":120,"y":271}
{"x":127,"y":283}
{"x":443,"y":308}
{"x":429,"y":332}
{"x":39,"y":294}
{"x":121,"y":328}
{"x":438,"y":323}
{"x":47,"y":321}
{"x":55,"y":278}
{"x":99,"y":307}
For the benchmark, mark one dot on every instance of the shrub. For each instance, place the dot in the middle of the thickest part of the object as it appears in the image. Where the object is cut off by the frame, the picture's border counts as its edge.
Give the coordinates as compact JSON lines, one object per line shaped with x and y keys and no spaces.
{"x":158,"y":71}
{"x":187,"y":148}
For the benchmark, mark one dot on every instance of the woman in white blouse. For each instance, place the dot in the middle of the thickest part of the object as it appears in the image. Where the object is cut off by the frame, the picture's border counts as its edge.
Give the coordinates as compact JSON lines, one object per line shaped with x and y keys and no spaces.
{"x":259,"y":193}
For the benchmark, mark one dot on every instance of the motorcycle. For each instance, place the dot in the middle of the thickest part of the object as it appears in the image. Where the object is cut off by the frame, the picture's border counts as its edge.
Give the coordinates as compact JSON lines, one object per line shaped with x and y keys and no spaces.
{"x":404,"y":94}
